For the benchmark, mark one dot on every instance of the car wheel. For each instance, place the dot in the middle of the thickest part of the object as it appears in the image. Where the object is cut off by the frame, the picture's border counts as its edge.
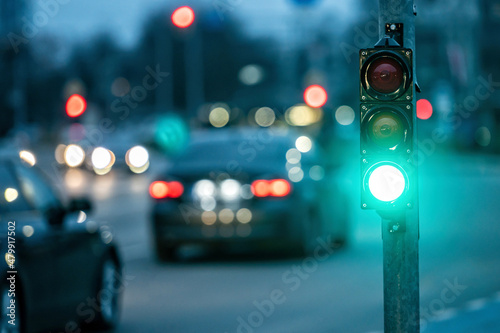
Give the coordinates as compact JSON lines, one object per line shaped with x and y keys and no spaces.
{"x":5,"y":327}
{"x":108,"y":296}
{"x":164,"y":252}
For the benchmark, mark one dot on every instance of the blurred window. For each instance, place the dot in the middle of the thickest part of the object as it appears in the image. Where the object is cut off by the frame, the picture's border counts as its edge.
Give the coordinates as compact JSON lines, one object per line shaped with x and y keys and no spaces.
{"x":37,"y":192}
{"x":11,"y":197}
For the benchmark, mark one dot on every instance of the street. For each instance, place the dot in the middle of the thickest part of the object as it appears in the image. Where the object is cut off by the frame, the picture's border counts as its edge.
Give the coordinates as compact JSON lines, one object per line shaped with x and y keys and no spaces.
{"x":337,"y":292}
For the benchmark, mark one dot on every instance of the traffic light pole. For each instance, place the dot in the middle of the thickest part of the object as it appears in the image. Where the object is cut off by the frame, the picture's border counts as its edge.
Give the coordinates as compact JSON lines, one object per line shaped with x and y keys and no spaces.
{"x":400,"y":230}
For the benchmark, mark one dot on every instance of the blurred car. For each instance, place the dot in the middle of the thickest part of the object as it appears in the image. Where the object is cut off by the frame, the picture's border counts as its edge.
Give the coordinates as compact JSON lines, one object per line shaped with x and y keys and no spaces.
{"x":247,"y":187}
{"x":67,"y":269}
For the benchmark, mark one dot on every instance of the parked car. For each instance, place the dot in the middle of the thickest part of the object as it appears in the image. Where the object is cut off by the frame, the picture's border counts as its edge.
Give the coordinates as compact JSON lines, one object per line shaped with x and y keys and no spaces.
{"x":247,"y":187}
{"x":64,"y":272}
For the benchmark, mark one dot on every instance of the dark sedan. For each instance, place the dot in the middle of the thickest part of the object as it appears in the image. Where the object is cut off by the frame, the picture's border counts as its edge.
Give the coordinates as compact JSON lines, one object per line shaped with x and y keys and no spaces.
{"x":247,"y":187}
{"x":60,"y":272}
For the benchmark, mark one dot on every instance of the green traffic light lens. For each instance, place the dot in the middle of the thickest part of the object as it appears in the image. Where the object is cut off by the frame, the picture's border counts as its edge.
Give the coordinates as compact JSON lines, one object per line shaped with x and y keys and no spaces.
{"x":387,"y":183}
{"x":387,"y":129}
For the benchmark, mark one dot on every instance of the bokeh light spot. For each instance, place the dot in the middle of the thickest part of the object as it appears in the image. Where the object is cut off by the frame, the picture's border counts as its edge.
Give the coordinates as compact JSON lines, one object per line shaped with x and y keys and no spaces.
{"x":183,"y":17}
{"x":303,"y":144}
{"x":265,"y":117}
{"x":27,"y":157}
{"x":75,"y":106}
{"x":10,"y":194}
{"x":219,"y":117}
{"x":158,"y":190}
{"x":244,"y":215}
{"x":315,"y":96}
{"x":293,"y":156}
{"x":74,"y":155}
{"x":251,"y":75}
{"x":28,"y":231}
{"x":226,"y":216}
{"x":344,"y":115}
{"x":424,"y":109}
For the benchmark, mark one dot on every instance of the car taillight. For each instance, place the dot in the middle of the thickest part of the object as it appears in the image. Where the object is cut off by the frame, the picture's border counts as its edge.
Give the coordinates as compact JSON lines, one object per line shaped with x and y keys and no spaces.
{"x":162,"y":189}
{"x":271,"y":188}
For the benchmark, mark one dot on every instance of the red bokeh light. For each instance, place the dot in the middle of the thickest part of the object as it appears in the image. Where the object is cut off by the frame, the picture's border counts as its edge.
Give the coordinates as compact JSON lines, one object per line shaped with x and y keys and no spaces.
{"x":175,"y":189}
{"x":183,"y":17}
{"x":75,"y":106}
{"x":274,"y":188}
{"x":315,"y":96}
{"x":424,"y":109}
{"x":260,"y":188}
{"x":162,"y":190}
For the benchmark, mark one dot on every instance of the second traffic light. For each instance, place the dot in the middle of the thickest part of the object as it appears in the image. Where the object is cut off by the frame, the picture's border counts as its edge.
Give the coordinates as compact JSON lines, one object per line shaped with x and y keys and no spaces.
{"x":387,"y":113}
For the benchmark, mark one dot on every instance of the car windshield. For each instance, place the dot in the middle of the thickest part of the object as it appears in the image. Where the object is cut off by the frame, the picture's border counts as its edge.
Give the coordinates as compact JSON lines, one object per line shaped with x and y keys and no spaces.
{"x":11,"y":198}
{"x":254,"y":152}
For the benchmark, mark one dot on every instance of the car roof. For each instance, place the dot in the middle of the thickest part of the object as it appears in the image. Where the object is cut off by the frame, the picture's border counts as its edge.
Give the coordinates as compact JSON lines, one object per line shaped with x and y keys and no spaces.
{"x":236,"y":134}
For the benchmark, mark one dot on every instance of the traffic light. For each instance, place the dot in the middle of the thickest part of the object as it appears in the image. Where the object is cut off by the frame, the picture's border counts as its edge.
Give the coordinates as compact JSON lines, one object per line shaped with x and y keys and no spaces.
{"x":387,"y":118}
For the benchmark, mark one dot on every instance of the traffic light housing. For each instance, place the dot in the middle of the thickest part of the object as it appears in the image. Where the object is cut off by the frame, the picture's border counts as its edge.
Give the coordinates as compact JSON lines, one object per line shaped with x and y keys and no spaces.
{"x":386,"y":128}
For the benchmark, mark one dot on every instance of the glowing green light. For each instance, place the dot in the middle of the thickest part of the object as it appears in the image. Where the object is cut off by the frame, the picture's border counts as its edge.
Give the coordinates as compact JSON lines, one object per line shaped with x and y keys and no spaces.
{"x":387,"y":183}
{"x":171,"y":133}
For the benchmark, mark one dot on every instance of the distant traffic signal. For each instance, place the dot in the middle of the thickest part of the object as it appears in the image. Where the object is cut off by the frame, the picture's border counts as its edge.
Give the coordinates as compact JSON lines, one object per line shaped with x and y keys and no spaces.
{"x":386,"y":95}
{"x":183,"y":17}
{"x":315,"y":96}
{"x":75,"y":106}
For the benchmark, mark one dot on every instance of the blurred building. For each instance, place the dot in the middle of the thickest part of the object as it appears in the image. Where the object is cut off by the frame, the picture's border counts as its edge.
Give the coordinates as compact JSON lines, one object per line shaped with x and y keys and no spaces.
{"x":12,"y":63}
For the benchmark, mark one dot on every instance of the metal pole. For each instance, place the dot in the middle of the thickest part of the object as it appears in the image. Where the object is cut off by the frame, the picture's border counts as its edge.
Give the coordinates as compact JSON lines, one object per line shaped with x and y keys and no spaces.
{"x":400,"y":233}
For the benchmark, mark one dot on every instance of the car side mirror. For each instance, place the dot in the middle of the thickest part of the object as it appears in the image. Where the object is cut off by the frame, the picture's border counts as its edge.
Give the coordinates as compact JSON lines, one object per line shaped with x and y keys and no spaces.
{"x":78,"y":204}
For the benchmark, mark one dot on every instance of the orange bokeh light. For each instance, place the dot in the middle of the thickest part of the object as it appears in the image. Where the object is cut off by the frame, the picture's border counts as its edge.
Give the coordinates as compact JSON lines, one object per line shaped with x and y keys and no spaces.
{"x":162,"y":190}
{"x":275,"y":188}
{"x":280,"y":188}
{"x":260,"y":188}
{"x":75,"y":106}
{"x":158,"y":190}
{"x":183,"y":17}
{"x":315,"y":96}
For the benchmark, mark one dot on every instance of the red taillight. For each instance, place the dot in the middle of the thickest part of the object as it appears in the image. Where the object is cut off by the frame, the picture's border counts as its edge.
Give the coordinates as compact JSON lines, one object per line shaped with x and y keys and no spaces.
{"x":175,"y":189}
{"x":162,"y":190}
{"x":280,"y":188}
{"x":271,"y":188}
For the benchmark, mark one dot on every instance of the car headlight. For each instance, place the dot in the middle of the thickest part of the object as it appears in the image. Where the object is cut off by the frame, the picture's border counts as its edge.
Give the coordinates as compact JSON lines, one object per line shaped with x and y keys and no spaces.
{"x":230,"y":190}
{"x":74,"y":155}
{"x":102,"y":158}
{"x":137,"y":157}
{"x":204,"y":188}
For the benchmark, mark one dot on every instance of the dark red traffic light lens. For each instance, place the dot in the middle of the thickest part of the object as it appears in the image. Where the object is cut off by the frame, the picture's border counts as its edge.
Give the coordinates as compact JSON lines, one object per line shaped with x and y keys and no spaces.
{"x":385,"y":75}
